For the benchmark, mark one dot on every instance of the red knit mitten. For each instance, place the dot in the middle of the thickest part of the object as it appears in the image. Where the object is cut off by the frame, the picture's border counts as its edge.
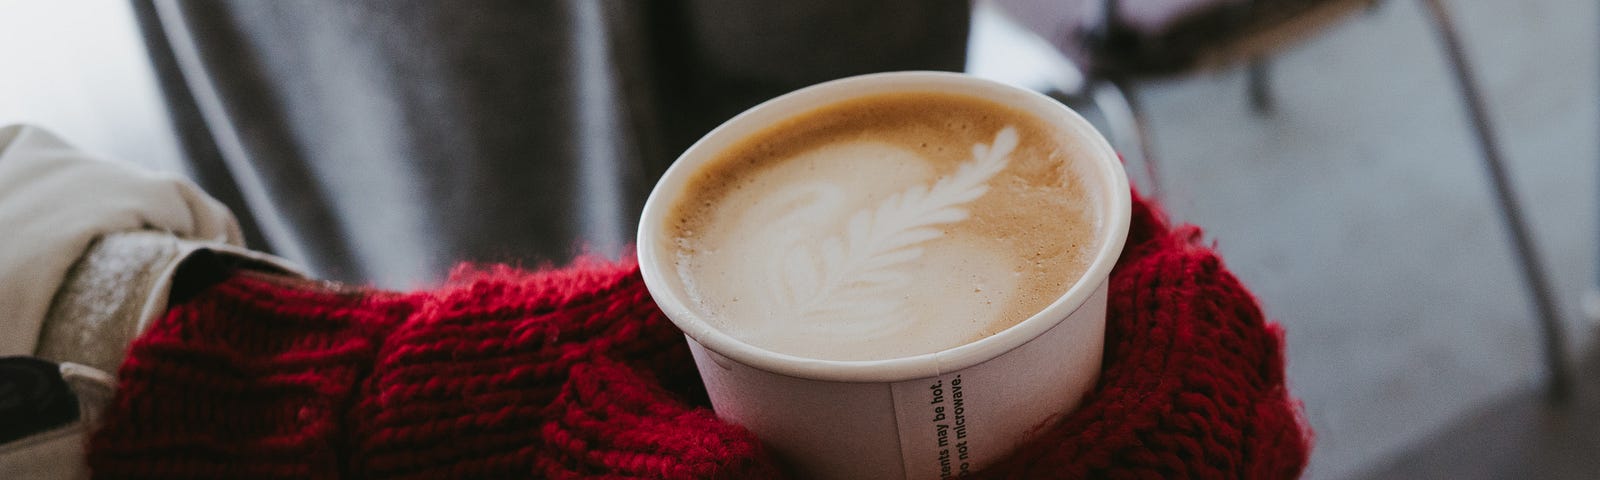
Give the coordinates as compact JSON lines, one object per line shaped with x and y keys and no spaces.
{"x":574,"y":373}
{"x":1192,"y":384}
{"x":249,"y":378}
{"x":609,"y":421}
{"x":504,"y":374}
{"x":507,"y":374}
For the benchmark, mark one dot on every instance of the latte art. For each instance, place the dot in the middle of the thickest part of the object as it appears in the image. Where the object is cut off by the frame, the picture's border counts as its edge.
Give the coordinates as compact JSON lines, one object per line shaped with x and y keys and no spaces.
{"x":883,"y":228}
{"x":854,"y":283}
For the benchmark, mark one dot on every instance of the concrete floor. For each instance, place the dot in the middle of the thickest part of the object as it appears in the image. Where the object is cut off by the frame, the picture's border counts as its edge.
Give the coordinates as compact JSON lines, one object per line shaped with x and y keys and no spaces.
{"x":1358,"y":212}
{"x":1361,"y":216}
{"x":1515,"y":436}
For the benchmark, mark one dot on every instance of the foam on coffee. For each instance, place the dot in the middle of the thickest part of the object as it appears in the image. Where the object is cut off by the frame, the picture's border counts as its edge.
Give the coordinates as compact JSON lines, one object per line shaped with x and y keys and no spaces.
{"x":884,"y":227}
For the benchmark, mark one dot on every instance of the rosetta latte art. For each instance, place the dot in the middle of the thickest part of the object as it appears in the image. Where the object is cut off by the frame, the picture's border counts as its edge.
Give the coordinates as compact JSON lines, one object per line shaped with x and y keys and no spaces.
{"x":883,"y":227}
{"x":853,"y":283}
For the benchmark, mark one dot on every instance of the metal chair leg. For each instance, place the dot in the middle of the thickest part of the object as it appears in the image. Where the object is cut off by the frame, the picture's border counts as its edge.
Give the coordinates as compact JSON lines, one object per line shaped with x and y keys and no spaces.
{"x":1591,"y":297}
{"x":1560,"y":383}
{"x":1119,"y":106}
{"x":1260,"y":73}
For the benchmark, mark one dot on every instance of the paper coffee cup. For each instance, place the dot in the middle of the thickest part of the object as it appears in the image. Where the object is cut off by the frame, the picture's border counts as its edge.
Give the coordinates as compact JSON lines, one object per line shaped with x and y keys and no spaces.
{"x":935,"y":415}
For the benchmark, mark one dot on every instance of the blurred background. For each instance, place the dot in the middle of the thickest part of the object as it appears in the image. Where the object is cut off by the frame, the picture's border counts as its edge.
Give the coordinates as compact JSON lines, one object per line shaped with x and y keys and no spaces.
{"x":1326,"y":147}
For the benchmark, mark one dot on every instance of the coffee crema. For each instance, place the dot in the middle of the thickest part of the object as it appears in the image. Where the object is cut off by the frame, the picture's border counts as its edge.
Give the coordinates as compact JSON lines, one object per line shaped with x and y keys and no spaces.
{"x":884,"y":227}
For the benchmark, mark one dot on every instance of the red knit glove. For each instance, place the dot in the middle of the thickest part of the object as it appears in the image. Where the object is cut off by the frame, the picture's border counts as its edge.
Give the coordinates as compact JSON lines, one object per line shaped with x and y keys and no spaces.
{"x":574,"y":373}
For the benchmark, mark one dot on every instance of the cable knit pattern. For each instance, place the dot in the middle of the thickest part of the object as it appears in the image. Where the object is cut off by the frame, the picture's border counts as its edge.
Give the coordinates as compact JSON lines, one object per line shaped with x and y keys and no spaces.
{"x":252,"y":378}
{"x":466,"y":387}
{"x":574,"y":373}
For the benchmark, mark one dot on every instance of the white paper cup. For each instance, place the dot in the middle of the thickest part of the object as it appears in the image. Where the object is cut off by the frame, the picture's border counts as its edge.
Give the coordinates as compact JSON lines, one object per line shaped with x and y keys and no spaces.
{"x":927,"y":416}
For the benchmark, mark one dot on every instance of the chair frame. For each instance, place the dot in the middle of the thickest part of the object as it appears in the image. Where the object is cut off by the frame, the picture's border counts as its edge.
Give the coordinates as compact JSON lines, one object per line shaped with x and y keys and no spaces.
{"x":1118,"y":101}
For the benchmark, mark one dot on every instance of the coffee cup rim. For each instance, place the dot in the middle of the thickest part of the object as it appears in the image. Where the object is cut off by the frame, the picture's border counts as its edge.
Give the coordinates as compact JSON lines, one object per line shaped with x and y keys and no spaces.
{"x":656,"y":263}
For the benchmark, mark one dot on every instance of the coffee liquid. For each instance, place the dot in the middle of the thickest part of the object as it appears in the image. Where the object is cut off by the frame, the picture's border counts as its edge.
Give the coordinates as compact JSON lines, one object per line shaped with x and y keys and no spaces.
{"x":884,"y":227}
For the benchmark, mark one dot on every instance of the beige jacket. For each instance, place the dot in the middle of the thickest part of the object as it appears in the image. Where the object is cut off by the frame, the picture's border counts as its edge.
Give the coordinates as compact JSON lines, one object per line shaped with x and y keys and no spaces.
{"x":88,"y":252}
